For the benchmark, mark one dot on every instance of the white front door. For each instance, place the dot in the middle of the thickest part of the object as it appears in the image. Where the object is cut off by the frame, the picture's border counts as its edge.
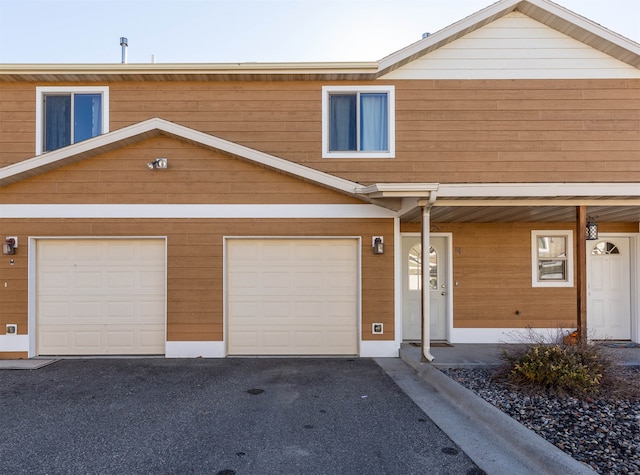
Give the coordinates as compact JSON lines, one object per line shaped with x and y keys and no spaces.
{"x":412,"y":287}
{"x":609,"y":289}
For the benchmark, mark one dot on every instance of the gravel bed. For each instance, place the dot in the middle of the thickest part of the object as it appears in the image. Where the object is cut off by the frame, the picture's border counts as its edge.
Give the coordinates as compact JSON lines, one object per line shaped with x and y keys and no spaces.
{"x":602,"y":434}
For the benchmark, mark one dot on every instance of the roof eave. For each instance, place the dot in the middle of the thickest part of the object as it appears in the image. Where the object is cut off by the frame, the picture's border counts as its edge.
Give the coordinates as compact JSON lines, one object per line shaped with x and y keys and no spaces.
{"x":195,"y":71}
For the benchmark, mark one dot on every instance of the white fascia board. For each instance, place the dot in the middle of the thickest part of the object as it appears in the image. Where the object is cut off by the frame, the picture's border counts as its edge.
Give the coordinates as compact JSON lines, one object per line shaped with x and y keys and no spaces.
{"x":446,"y":33}
{"x":50,"y":158}
{"x":398,"y":190}
{"x":541,"y":190}
{"x":356,"y":67}
{"x":262,"y":158}
{"x":586,"y":24}
{"x":149,"y":125}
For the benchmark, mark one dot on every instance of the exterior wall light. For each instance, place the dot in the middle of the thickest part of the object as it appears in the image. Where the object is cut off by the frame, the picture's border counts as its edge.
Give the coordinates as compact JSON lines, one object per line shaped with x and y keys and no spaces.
{"x":158,"y":163}
{"x":378,"y":244}
{"x":9,"y":246}
{"x":592,"y":229}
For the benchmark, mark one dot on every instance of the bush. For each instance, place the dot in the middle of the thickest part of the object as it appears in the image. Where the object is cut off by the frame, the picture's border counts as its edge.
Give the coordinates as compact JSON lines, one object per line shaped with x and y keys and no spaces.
{"x":575,"y":370}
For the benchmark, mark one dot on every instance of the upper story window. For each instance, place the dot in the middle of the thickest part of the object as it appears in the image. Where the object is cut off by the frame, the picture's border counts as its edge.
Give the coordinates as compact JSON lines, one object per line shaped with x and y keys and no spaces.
{"x":358,"y":121}
{"x":67,"y":115}
{"x":552,"y":258}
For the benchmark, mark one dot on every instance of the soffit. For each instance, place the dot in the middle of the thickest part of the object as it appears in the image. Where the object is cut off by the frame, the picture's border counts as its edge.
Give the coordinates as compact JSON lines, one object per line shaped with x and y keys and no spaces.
{"x":610,"y":209}
{"x":188,"y":72}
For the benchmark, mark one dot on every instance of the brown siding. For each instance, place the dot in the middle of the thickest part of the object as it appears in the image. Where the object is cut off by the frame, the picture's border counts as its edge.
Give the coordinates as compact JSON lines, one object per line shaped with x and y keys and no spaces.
{"x":195,"y":265}
{"x":492,"y":265}
{"x":195,"y":175}
{"x":447,"y":130}
{"x":14,"y":355}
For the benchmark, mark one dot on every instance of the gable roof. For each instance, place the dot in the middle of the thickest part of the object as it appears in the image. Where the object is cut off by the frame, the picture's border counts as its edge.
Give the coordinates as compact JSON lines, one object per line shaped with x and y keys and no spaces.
{"x":543,"y":11}
{"x":152,"y":128}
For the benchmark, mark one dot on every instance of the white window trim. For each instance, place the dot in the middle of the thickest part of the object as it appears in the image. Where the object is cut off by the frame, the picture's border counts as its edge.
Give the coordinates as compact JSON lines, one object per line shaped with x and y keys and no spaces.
{"x":389,"y":90}
{"x":534,"y":258}
{"x":41,"y":91}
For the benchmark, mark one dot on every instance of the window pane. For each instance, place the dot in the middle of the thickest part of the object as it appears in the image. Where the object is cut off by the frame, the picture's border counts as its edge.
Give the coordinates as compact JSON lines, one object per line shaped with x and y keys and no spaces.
{"x":374,"y":122}
{"x":552,"y":270}
{"x":342,"y":122}
{"x":57,"y":122}
{"x":415,"y":267}
{"x":433,"y":269}
{"x":605,"y":248}
{"x":87,"y":116}
{"x":552,"y":246}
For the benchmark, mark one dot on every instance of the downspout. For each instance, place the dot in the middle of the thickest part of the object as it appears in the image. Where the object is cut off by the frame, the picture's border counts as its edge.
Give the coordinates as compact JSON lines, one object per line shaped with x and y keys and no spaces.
{"x":426,"y":206}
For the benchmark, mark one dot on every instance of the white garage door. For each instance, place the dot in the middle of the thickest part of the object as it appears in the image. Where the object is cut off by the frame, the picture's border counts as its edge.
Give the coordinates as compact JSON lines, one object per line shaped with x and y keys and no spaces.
{"x":100,"y":296}
{"x":292,"y":296}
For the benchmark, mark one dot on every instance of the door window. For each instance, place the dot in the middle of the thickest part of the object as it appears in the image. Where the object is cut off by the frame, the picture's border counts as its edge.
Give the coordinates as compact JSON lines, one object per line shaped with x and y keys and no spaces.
{"x":415,"y":268}
{"x":604,"y":247}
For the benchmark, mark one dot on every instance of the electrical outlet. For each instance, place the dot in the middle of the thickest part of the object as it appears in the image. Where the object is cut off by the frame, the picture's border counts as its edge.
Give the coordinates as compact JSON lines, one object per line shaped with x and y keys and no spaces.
{"x":377,"y":328}
{"x":12,"y":329}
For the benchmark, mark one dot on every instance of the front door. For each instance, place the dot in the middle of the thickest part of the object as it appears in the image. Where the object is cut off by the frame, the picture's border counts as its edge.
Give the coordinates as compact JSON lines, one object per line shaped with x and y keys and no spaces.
{"x":609,"y":289}
{"x":412,"y":287}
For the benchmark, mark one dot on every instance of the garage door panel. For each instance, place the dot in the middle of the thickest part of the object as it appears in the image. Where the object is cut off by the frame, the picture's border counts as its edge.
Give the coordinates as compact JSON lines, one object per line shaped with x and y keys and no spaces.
{"x":87,"y":338}
{"x":54,"y":280}
{"x":285,"y":296}
{"x":84,"y":311}
{"x":106,"y":295}
{"x":120,"y":340}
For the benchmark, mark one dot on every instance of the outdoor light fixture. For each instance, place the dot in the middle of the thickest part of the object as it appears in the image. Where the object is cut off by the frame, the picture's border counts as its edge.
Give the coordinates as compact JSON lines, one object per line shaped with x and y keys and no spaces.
{"x":592,"y":229}
{"x":378,"y":245}
{"x":9,"y":246}
{"x":158,"y":163}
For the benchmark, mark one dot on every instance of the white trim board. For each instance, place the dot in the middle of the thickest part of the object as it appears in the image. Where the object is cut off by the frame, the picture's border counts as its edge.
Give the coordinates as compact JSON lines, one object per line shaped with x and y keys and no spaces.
{"x":504,"y":335}
{"x":174,"y":211}
{"x":195,"y":349}
{"x":14,"y":343}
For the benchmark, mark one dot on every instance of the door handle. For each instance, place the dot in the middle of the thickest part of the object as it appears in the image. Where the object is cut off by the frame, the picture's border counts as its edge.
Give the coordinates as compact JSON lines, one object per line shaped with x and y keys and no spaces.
{"x":443,"y":293}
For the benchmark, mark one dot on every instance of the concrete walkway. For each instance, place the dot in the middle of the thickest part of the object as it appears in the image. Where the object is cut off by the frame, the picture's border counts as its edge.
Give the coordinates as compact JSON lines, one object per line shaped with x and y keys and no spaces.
{"x":474,"y":355}
{"x":495,"y":442}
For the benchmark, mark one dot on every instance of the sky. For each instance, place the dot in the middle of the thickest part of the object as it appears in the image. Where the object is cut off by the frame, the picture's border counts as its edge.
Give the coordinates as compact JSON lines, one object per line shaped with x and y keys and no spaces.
{"x":240,"y":31}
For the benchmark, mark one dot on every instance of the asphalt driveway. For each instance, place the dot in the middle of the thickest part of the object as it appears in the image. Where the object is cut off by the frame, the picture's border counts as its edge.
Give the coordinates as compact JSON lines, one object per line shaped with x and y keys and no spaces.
{"x":217,"y":416}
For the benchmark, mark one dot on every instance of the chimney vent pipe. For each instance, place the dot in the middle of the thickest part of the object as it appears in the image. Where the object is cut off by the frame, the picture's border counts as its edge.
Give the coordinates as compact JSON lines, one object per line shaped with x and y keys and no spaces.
{"x":124,"y":43}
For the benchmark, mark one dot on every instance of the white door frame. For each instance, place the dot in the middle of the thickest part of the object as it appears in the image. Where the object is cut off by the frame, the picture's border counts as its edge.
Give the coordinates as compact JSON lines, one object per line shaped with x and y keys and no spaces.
{"x":448,"y":237}
{"x":634,"y":278}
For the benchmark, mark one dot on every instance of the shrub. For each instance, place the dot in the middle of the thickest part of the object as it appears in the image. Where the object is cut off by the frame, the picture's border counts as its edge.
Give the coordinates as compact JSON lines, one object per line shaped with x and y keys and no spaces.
{"x":554,"y":364}
{"x":575,"y":370}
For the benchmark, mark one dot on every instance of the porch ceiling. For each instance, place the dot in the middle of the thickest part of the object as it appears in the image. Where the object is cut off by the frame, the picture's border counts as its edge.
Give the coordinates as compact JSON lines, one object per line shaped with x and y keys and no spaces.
{"x":466,"y":212}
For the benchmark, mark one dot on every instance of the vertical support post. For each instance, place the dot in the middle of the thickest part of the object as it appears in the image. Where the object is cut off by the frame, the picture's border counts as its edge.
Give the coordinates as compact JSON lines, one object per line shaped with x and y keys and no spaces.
{"x":581,"y":272}
{"x":425,"y":277}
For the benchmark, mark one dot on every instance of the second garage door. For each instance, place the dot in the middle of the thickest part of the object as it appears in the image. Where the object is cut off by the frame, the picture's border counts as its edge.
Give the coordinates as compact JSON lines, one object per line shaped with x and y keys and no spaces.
{"x":100,"y":296}
{"x":292,"y":296}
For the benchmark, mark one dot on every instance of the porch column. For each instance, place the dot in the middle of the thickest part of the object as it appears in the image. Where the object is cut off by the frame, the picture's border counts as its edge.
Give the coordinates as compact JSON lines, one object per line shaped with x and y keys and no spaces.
{"x":581,"y":272}
{"x":424,"y":265}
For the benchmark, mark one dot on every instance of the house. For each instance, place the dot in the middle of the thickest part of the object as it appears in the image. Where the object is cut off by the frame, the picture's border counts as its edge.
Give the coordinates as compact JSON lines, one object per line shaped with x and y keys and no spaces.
{"x":281,"y":209}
